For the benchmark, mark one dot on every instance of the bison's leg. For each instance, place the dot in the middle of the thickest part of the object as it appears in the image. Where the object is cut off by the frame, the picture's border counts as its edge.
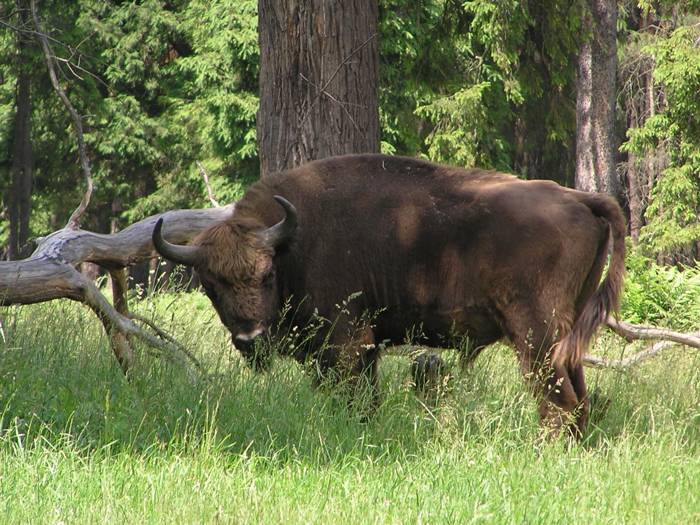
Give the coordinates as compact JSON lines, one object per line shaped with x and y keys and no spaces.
{"x":559,"y":405}
{"x":578,"y":381}
{"x":428,"y":373}
{"x":553,"y":384}
{"x":470,"y":350}
{"x":365,"y":373}
{"x":427,"y":370}
{"x":349,"y":360}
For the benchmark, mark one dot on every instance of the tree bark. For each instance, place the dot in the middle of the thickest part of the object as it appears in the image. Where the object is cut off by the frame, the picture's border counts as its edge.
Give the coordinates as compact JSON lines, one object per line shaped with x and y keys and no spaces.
{"x":596,"y":145}
{"x":318,"y":80}
{"x":21,"y":168}
{"x":635,"y":196}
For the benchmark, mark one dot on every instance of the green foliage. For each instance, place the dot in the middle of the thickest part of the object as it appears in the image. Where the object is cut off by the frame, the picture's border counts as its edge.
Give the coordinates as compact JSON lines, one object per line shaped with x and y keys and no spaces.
{"x":478,"y":74}
{"x":661,"y":295}
{"x":416,"y":58}
{"x":7,"y":112}
{"x":673,"y":215}
{"x":459,"y":120}
{"x":471,"y":120}
{"x":161,"y":86}
{"x":197,"y":64}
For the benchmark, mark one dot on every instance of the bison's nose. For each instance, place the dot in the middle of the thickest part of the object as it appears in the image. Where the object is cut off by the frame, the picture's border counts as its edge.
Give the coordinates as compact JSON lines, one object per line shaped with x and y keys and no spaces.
{"x":246,"y":339}
{"x":245,"y":342}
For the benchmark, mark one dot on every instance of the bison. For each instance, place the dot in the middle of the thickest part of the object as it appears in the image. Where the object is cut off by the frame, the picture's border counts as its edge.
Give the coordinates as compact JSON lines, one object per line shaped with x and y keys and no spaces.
{"x":433,"y":250}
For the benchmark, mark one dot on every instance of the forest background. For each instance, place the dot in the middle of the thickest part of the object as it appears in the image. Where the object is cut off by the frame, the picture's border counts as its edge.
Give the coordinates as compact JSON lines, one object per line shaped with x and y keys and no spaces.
{"x":163,"y":86}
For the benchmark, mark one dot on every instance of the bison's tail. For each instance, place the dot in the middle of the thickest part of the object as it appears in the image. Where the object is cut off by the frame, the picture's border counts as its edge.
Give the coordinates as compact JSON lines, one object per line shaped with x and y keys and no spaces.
{"x":606,"y":299}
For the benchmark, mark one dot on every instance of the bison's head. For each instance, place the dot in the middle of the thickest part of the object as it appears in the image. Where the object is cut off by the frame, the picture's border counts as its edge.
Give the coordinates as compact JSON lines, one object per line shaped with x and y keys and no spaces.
{"x":234,"y":261}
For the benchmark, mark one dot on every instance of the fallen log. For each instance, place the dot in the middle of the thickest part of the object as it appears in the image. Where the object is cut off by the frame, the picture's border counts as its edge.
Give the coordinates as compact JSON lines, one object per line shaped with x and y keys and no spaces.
{"x":51,"y":272}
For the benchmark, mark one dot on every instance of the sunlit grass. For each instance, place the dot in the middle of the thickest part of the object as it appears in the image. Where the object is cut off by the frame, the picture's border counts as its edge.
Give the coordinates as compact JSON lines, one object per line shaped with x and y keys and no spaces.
{"x":80,"y":443}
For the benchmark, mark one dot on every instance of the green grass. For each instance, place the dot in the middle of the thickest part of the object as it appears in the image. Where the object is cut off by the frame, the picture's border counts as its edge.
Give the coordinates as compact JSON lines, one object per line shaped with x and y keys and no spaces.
{"x":81,"y":444}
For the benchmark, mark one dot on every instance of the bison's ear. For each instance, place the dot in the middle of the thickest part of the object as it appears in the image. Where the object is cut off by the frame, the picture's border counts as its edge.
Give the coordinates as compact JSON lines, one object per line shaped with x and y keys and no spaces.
{"x":188,"y":255}
{"x":283,"y":231}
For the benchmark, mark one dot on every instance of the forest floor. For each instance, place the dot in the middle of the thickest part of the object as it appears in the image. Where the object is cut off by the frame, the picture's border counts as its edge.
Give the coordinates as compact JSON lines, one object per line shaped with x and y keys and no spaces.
{"x":81,"y":444}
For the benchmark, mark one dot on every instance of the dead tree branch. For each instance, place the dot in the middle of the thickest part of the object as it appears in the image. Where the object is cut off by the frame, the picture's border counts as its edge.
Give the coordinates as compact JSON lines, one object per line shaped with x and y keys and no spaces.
{"x":74,"y":220}
{"x":205,"y":176}
{"x":50,"y":273}
{"x":167,"y":337}
{"x":633,"y":332}
{"x":323,"y":90}
{"x":665,"y":337}
{"x":628,"y":362}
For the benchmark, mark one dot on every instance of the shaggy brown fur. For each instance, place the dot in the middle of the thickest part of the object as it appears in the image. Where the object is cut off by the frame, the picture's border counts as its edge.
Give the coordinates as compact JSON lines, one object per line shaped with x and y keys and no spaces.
{"x":437,"y":251}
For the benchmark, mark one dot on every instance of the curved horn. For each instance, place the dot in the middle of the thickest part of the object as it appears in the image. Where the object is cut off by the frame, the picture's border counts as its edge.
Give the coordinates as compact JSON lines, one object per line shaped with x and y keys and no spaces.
{"x":188,"y":255}
{"x":283,"y":230}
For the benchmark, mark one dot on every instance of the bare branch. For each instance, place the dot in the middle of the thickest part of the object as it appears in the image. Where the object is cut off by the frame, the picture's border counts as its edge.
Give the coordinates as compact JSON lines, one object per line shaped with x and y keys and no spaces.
{"x":31,"y":31}
{"x":632,"y":332}
{"x":72,"y":49}
{"x":341,"y":103}
{"x":159,"y":332}
{"x":205,"y":176}
{"x":120,"y":328}
{"x":323,"y":89}
{"x":74,"y":220}
{"x":628,"y":362}
{"x":122,"y":345}
{"x":168,"y":338}
{"x":347,"y":59}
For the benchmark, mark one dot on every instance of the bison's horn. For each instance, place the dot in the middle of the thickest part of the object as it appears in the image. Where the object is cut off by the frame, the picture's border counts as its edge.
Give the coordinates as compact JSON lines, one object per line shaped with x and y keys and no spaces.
{"x":188,"y":255}
{"x":284,"y":230}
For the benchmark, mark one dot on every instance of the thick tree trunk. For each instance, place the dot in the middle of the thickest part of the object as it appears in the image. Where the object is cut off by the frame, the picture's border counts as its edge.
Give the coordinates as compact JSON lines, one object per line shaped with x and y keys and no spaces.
{"x":596,"y":145}
{"x":318,"y":80}
{"x":21,"y":170}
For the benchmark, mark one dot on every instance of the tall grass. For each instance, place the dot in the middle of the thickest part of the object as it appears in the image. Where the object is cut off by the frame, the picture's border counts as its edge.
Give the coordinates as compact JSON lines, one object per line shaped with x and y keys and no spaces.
{"x":81,"y":443}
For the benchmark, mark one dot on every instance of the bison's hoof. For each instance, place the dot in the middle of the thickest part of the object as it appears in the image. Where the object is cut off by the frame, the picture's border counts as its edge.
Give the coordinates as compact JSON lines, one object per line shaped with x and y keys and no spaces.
{"x":428,"y":372}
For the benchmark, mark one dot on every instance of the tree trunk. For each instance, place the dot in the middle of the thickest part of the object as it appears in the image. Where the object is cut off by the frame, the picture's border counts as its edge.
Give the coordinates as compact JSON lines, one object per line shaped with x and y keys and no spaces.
{"x":318,"y":80}
{"x":596,"y":145}
{"x":635,"y":196}
{"x":21,"y":169}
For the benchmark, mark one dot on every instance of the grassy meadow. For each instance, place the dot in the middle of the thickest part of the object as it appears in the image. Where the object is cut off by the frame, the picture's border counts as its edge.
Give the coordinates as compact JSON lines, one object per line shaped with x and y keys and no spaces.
{"x":81,"y":444}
